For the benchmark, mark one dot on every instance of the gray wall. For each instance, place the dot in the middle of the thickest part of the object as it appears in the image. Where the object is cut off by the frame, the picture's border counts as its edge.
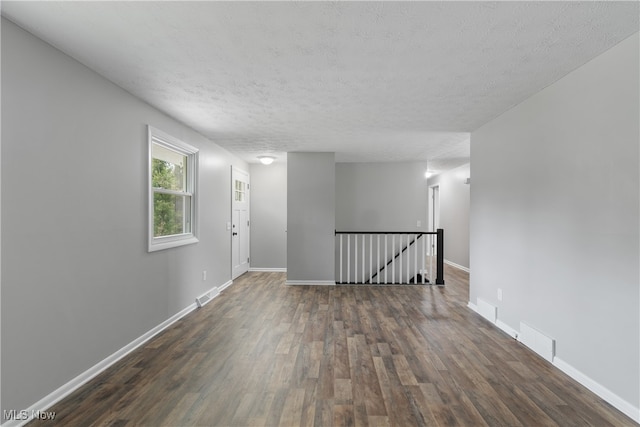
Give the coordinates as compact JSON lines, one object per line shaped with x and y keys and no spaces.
{"x":381,"y":196}
{"x":77,"y":281}
{"x":268,"y":215}
{"x":554,"y":217}
{"x":454,"y":213}
{"x":310,"y":217}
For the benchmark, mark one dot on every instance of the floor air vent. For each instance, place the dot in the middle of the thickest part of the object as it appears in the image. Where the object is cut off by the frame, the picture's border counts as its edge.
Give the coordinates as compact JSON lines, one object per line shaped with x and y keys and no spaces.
{"x":203,"y":299}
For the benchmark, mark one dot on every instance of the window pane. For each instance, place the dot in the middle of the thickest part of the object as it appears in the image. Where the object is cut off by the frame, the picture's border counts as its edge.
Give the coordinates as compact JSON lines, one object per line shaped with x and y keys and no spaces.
{"x":169,"y":169}
{"x":171,"y":214}
{"x":240,"y":191}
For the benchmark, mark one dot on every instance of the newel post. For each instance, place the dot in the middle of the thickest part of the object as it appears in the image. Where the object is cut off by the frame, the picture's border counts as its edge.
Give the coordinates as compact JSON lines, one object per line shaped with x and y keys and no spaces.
{"x":440,"y":257}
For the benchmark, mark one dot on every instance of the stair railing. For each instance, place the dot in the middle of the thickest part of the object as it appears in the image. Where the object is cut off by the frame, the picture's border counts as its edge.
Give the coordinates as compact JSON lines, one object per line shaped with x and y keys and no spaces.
{"x":390,"y":257}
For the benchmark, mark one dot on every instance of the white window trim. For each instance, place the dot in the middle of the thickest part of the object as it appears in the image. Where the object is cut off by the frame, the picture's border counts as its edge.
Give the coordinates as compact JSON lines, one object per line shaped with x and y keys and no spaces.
{"x":156,"y":136}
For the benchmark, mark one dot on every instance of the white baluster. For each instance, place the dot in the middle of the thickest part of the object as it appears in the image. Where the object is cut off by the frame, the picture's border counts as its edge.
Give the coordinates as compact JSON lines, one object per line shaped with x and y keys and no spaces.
{"x":348,"y":257}
{"x":355,"y":260}
{"x":364,"y":237}
{"x":415,"y":258}
{"x":393,"y":259}
{"x":386,"y":259}
{"x":407,"y":258}
{"x":370,"y":256}
{"x":424,"y":254}
{"x":378,"y":258}
{"x":400,"y":256}
{"x":340,"y":244}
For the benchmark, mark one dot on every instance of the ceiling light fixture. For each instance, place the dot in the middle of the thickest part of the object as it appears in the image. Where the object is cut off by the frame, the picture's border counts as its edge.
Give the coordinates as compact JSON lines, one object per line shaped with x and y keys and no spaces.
{"x":428,"y":174}
{"x":266,"y":160}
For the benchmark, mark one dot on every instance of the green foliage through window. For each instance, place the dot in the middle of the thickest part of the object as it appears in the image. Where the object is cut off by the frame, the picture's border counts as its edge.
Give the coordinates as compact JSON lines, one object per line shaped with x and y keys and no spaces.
{"x":168,"y":209}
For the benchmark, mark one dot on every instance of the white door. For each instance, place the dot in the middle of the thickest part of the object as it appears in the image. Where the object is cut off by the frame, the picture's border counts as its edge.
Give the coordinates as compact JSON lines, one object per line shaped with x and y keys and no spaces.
{"x":239,"y":222}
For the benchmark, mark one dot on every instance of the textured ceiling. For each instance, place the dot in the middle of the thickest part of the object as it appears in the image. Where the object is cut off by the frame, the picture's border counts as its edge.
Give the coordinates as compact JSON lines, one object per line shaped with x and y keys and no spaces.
{"x":379,"y":81}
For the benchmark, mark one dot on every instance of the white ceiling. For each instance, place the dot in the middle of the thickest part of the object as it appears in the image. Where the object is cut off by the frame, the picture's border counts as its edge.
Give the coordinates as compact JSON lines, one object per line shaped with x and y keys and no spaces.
{"x":371,"y":81}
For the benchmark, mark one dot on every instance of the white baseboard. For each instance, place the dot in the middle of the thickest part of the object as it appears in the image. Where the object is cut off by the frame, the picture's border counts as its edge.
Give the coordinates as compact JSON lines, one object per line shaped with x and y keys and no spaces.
{"x":268,"y":270}
{"x":499,"y":323}
{"x":613,"y":399}
{"x":507,"y":329}
{"x":616,"y":401}
{"x":311,"y":282}
{"x":62,"y":392}
{"x":225,"y":286}
{"x":458,"y":266}
{"x":57,"y":395}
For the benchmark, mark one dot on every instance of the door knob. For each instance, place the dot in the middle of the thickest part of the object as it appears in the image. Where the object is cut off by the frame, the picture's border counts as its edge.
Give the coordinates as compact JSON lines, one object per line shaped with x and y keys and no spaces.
{"x":234,"y":234}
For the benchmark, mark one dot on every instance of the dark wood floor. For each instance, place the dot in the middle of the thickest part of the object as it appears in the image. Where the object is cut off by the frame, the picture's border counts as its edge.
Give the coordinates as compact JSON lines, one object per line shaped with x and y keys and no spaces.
{"x":264,"y":353}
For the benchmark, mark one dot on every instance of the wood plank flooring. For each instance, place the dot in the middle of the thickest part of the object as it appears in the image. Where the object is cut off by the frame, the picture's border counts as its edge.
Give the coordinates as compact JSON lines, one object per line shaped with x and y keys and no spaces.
{"x":267,"y":354}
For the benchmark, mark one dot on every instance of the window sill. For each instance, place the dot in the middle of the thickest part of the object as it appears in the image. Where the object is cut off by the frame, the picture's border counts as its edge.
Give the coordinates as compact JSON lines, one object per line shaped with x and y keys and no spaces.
{"x":158,"y":244}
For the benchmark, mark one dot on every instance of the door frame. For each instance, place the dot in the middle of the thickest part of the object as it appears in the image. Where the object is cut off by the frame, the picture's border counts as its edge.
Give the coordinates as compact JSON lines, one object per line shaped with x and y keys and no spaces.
{"x":235,"y":170}
{"x":433,"y":216}
{"x":434,"y":207}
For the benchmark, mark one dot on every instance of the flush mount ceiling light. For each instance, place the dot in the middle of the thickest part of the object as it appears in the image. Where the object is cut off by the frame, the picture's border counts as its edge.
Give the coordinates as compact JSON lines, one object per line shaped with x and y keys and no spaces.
{"x":428,"y":174}
{"x":266,"y":160}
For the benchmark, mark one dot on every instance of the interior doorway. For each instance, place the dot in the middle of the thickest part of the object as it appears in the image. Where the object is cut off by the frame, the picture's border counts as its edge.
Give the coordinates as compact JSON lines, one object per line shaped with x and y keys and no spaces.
{"x":434,"y":213}
{"x":240,"y":224}
{"x":434,"y":207}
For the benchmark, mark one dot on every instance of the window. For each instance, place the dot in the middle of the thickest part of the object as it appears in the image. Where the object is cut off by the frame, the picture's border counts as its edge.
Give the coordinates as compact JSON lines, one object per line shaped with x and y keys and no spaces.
{"x":240,"y":191}
{"x":172,"y":191}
